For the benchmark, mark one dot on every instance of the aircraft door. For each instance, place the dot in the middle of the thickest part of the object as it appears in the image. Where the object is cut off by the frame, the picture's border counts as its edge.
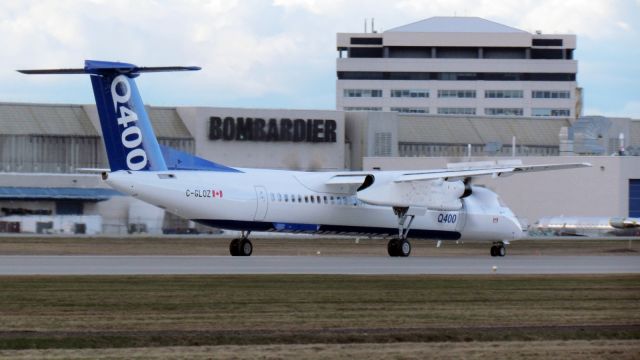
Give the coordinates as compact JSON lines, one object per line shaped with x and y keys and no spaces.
{"x":262,"y":203}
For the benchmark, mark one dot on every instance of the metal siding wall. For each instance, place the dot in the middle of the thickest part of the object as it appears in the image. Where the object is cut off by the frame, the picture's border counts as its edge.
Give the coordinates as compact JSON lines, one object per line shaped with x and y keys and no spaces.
{"x":62,"y":154}
{"x":58,"y":154}
{"x":186,"y":145}
{"x":634,"y":197}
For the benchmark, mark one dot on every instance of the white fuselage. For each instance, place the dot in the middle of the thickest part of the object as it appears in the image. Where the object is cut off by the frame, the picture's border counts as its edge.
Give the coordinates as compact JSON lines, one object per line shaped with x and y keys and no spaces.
{"x":292,"y":201}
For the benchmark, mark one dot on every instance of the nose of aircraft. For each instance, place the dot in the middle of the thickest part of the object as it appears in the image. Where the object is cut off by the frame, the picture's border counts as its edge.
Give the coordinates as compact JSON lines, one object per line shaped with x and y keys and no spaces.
{"x":515,"y":228}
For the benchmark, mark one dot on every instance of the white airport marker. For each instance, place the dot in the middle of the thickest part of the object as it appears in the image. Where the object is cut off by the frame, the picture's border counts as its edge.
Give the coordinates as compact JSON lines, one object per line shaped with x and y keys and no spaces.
{"x":494,"y":268}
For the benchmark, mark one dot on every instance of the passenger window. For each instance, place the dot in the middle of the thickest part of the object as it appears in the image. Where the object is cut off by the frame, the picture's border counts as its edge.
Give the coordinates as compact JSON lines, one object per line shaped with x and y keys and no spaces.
{"x":331,"y":200}
{"x":306,"y":199}
{"x":325,"y":199}
{"x":299,"y":198}
{"x":279,"y":197}
{"x":293,"y":198}
{"x":286,"y":198}
{"x":312,"y":201}
{"x":273,"y":197}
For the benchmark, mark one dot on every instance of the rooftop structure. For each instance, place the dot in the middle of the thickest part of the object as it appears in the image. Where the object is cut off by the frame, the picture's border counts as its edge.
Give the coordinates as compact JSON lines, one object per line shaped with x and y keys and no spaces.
{"x":458,"y":66}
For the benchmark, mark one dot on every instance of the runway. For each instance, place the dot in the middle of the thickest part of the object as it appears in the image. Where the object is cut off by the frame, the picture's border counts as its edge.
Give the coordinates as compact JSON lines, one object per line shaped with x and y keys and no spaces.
{"x":173,"y":265}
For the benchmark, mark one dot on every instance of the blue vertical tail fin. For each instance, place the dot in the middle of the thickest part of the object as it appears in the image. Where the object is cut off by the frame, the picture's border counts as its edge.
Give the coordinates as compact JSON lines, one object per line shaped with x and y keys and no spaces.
{"x":126,"y":129}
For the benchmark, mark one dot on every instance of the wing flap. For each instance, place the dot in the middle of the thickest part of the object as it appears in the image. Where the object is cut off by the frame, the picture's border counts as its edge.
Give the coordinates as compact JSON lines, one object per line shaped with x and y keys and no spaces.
{"x":453,"y":174}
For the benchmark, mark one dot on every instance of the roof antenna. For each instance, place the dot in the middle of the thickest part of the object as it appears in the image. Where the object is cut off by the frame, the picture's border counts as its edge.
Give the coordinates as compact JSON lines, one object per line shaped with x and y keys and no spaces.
{"x":365,"y":25}
{"x":373,"y":30}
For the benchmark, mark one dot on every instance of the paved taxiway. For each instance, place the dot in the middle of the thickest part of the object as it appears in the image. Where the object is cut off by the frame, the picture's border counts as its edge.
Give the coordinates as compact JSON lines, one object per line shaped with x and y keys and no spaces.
{"x":149,"y":265}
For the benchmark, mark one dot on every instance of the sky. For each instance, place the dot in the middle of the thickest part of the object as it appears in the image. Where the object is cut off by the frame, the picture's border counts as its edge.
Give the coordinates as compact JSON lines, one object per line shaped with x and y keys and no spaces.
{"x":281,"y":53}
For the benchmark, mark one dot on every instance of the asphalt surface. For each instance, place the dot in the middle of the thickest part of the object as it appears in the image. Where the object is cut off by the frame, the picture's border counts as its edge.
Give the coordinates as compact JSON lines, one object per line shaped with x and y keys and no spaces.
{"x":155,"y":265}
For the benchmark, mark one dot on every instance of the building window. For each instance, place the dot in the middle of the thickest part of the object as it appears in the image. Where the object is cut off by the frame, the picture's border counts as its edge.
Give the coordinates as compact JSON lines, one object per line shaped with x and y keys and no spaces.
{"x":503,"y":111}
{"x":550,"y":112}
{"x":405,"y":75}
{"x":362,"y":93}
{"x":69,"y":207}
{"x":503,"y":94}
{"x":411,"y":110}
{"x":410,"y":93}
{"x":456,"y":93}
{"x":456,"y":111}
{"x":546,"y":42}
{"x":362,"y":108}
{"x":366,"y":41}
{"x":550,"y":94}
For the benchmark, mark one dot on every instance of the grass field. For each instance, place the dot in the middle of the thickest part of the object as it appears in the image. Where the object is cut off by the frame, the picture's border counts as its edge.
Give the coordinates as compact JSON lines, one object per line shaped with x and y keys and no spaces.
{"x":316,"y":317}
{"x":203,"y":245}
{"x":318,"y":314}
{"x":566,"y":350}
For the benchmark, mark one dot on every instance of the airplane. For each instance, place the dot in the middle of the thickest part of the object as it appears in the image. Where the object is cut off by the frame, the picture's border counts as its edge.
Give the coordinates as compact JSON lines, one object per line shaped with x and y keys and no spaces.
{"x":586,"y":226}
{"x":437,"y":204}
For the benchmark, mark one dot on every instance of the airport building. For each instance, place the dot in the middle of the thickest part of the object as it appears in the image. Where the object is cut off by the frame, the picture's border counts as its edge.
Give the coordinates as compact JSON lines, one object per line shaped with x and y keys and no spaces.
{"x":465,"y":66}
{"x":44,"y":147}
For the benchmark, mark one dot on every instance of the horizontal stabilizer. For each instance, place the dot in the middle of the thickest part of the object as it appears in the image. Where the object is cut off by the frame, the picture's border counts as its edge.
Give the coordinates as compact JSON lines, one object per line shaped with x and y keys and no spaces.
{"x":96,"y":67}
{"x":52,"y":71}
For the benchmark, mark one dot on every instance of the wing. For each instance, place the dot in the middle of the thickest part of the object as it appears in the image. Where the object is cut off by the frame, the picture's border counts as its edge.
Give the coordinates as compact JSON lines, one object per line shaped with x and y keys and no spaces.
{"x":495,"y":171}
{"x":440,"y":189}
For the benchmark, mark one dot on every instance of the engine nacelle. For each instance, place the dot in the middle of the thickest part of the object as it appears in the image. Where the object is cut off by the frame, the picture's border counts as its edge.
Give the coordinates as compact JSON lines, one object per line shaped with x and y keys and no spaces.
{"x":623,"y":223}
{"x":433,"y":194}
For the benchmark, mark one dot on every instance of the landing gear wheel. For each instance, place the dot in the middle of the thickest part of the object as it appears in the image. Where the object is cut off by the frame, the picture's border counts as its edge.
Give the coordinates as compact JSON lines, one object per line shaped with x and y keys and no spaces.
{"x":502,"y":251}
{"x":404,"y":248}
{"x":397,"y":247}
{"x":498,"y":250}
{"x":245,"y":247}
{"x":392,"y":247}
{"x":234,"y":247}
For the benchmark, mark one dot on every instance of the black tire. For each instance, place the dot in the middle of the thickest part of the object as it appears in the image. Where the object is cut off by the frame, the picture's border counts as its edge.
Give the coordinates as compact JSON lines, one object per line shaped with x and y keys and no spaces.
{"x":494,"y":251}
{"x":404,"y":248}
{"x":245,"y":248}
{"x":392,"y":247}
{"x":234,"y":247}
{"x":502,"y":251}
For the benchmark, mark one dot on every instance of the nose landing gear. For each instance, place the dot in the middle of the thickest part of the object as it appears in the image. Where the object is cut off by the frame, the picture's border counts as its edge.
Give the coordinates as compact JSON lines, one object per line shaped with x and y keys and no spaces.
{"x":498,"y":249}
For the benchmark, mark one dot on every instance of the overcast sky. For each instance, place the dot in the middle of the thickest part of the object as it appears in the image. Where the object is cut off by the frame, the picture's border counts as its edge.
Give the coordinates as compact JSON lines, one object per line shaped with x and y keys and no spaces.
{"x":281,"y":53}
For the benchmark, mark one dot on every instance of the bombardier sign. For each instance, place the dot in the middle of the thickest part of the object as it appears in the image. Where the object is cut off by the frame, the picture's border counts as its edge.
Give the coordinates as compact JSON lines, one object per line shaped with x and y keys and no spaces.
{"x":258,"y":129}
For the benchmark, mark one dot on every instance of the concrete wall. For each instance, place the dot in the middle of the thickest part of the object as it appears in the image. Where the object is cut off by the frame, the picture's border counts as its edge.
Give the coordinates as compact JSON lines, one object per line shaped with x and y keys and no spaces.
{"x":266,"y":154}
{"x":361,"y":129}
{"x":601,"y":190}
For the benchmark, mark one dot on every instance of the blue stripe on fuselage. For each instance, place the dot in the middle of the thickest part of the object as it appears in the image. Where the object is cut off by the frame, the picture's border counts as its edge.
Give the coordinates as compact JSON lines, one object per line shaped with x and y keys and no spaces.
{"x":327,"y":229}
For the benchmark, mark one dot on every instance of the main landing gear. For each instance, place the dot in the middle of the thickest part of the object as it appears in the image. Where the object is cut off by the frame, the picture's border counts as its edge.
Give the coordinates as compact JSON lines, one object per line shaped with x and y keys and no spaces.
{"x":498,"y":249}
{"x":242,"y":246}
{"x":401,"y":246}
